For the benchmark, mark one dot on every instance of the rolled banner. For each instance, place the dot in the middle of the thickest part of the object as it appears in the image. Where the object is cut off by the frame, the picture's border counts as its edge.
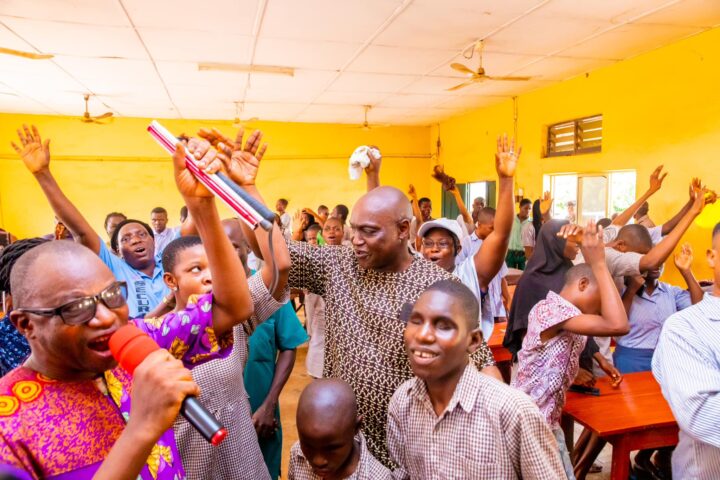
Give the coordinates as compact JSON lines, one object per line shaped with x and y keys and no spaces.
{"x":252,"y":212}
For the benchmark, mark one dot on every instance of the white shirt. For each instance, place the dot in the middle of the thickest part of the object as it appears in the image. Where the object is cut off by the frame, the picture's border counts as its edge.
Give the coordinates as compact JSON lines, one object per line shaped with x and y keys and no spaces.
{"x":315,"y":325}
{"x":286,"y":225}
{"x":687,"y":366}
{"x":163,"y":238}
{"x":467,"y":273}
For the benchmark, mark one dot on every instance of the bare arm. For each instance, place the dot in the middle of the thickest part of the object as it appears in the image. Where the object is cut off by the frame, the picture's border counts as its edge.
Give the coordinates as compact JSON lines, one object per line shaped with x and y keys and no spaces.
{"x":231,"y":297}
{"x":628,"y":296}
{"x":528,"y":252}
{"x":35,"y":155}
{"x":491,"y":255}
{"x":655,"y":183}
{"x":614,"y":321}
{"x":461,"y":206}
{"x":372,"y":171}
{"x":683,"y":262}
{"x":660,"y":252}
{"x":264,"y":417}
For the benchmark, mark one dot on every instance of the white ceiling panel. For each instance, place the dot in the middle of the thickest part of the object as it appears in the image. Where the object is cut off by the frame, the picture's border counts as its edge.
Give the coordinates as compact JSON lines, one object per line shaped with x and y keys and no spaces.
{"x":179,"y":73}
{"x":273,"y":111}
{"x":111,"y":75}
{"x":331,"y":20}
{"x":494,"y":63}
{"x":629,"y":40}
{"x":312,"y":54}
{"x":350,"y":98}
{"x":698,"y":13}
{"x":301,"y":80}
{"x":613,"y":11}
{"x":410,"y":100}
{"x":540,"y":35}
{"x":451,"y":27}
{"x":501,"y":7}
{"x":78,"y":40}
{"x":37,"y":85}
{"x":464,"y":103}
{"x":283,"y":95}
{"x":553,"y":68}
{"x":190,"y":94}
{"x":370,"y":82}
{"x":191,"y":45}
{"x":401,"y":60}
{"x":19,"y":104}
{"x":325,"y":113}
{"x":230,"y":16}
{"x":432,"y":86}
{"x":88,"y":12}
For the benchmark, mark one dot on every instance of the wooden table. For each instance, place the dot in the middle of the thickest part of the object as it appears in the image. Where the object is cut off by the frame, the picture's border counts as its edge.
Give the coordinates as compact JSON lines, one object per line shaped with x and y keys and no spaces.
{"x":502,"y":355}
{"x":634,"y":416}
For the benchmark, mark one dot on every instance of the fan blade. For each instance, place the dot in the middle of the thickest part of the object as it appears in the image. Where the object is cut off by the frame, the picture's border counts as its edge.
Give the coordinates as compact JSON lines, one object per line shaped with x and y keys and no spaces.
{"x":104,"y":115}
{"x":29,"y":55}
{"x":465,"y":84}
{"x":510,"y":79}
{"x":462,"y":68}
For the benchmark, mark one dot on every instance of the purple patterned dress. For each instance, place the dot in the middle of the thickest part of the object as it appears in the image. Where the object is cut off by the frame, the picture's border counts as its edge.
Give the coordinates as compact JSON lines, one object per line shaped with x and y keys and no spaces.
{"x":64,"y":430}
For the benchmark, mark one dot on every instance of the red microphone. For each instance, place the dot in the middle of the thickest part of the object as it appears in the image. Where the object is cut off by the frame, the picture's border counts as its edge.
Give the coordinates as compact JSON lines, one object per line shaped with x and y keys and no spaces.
{"x":130,"y":346}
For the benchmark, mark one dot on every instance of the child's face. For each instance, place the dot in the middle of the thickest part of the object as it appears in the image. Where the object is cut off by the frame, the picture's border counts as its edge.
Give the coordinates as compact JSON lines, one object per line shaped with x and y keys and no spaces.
{"x":438,"y":247}
{"x":191,"y":275}
{"x":311,"y":237}
{"x":333,"y":232}
{"x":587,"y":297}
{"x":327,"y":448}
{"x":483,"y":230}
{"x":437,"y":338}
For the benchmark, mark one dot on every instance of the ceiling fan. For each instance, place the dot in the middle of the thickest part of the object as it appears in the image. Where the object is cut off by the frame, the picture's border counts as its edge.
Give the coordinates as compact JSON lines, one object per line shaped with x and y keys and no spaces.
{"x":238,"y":122}
{"x":86,"y":118}
{"x":28,"y":55}
{"x":478,"y":75}
{"x":365,"y":126}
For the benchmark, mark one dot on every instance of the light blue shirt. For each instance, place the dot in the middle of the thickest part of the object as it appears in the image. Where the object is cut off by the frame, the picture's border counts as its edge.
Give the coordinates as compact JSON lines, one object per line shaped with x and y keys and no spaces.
{"x":144,"y":292}
{"x":162,"y":239}
{"x":687,"y":366}
{"x":649,"y":312}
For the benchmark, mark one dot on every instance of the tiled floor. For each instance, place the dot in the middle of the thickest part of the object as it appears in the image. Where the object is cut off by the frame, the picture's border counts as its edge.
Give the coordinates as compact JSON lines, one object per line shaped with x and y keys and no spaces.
{"x":299,"y":379}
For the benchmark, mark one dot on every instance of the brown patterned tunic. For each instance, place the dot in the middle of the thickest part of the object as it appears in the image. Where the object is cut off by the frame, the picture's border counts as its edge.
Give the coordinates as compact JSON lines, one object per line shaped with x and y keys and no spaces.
{"x":363,"y":330}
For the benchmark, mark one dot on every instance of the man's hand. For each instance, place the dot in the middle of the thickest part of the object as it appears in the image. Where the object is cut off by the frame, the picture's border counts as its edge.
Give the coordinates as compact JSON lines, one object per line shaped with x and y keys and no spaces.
{"x":684,"y":258}
{"x":545,"y":203}
{"x":411,"y":192}
{"x":656,"y":179}
{"x":241,"y":161}
{"x":35,"y":153}
{"x":160,"y":384}
{"x":373,"y":167}
{"x":506,"y":158}
{"x":593,"y":247}
{"x":264,"y":421}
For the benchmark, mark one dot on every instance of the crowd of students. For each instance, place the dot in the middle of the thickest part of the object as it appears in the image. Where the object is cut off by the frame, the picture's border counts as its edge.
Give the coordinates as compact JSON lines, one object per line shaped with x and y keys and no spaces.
{"x":399,"y":307}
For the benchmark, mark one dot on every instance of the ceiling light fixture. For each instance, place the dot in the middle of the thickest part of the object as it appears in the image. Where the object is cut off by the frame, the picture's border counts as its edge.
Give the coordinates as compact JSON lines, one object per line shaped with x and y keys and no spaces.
{"x":233,"y":67}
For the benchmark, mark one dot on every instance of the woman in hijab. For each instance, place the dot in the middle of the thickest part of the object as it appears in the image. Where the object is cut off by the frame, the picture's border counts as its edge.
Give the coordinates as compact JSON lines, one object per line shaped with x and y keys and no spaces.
{"x":545,"y":271}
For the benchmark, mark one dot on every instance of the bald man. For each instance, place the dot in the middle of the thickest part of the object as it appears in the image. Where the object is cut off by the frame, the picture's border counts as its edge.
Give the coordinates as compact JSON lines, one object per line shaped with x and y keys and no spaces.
{"x":330,"y":442}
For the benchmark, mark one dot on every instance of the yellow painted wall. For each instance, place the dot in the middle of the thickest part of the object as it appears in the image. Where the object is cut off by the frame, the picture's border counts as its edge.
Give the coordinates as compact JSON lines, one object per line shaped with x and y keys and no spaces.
{"x":119,"y":167}
{"x":662,"y":107}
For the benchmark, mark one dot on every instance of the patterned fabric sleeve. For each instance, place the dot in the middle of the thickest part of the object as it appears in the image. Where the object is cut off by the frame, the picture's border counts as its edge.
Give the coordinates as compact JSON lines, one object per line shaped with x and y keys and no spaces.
{"x":532,"y":444}
{"x":482,"y":357}
{"x":188,"y":334}
{"x":310,"y":265}
{"x":264,"y":304}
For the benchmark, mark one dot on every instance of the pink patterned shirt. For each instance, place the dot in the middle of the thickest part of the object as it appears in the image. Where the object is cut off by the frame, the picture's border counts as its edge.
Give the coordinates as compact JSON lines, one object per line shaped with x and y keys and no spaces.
{"x":546,"y":370}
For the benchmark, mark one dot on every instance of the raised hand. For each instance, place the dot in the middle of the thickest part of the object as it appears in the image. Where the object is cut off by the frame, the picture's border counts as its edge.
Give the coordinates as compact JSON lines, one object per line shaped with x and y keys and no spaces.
{"x":545,"y":203}
{"x":699,"y":201}
{"x":571,"y":230}
{"x":241,"y":161}
{"x":506,"y":158}
{"x":656,"y":179}
{"x":710,"y":197}
{"x":593,"y":247}
{"x":412,"y":192}
{"x":188,"y":185}
{"x":373,"y":167}
{"x":695,"y":186}
{"x":35,"y":153}
{"x":684,"y":258}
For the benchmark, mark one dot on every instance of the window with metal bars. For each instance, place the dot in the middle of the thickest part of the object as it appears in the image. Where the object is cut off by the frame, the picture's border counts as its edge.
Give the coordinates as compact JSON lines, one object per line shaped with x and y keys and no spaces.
{"x":582,"y":135}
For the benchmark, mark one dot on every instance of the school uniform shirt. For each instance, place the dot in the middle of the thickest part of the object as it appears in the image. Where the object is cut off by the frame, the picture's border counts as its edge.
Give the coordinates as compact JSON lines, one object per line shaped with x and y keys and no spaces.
{"x":527,"y":235}
{"x":610,"y":233}
{"x":470,"y":246}
{"x":286,"y":225}
{"x":144,"y":292}
{"x":649,"y":312}
{"x":488,"y":430}
{"x":163,"y":238}
{"x":516,"y":243}
{"x":467,"y":273}
{"x":224,"y":395}
{"x":687,"y":366}
{"x":363,"y":329}
{"x":547,"y":369}
{"x":315,"y":324}
{"x":368,"y":468}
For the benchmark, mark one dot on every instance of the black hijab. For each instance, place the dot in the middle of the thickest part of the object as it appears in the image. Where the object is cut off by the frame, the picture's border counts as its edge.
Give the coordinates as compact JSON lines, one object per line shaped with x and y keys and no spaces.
{"x":545,"y":271}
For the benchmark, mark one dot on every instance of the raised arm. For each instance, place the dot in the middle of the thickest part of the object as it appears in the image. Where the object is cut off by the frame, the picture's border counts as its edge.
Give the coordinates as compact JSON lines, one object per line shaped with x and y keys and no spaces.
{"x":656,"y":180}
{"x":545,"y":206}
{"x":372,"y":171}
{"x":320,"y":220}
{"x":231,"y":297}
{"x":683,"y":262}
{"x":660,"y":252}
{"x":35,"y":155}
{"x":243,"y":163}
{"x":634,"y":286}
{"x":491,"y":255}
{"x":612,"y":320}
{"x":467,"y":217}
{"x":300,"y":223}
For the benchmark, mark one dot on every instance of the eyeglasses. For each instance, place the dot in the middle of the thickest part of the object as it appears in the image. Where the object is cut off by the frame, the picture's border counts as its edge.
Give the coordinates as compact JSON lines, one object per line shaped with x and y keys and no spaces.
{"x":442,"y":245}
{"x":83,"y":309}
